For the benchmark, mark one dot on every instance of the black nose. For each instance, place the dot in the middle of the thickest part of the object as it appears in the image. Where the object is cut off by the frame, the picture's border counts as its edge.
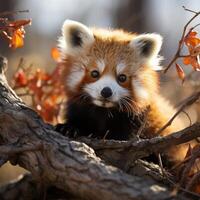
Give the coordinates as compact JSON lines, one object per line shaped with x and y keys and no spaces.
{"x":106,"y":92}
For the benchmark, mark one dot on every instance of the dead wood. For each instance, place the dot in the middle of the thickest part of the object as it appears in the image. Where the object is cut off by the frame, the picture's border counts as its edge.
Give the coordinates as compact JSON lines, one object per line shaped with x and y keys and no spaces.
{"x":72,"y":166}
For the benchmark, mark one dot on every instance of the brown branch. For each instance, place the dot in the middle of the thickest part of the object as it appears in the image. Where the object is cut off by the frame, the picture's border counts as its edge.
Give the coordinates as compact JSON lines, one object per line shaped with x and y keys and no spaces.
{"x":192,"y":11}
{"x":6,"y":13}
{"x":141,"y":148}
{"x":12,"y":149}
{"x":187,"y":102}
{"x":25,"y":187}
{"x":193,"y":182}
{"x":68,"y":165}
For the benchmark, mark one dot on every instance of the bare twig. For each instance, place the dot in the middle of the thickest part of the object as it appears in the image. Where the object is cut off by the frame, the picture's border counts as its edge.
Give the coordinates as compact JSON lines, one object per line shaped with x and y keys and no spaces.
{"x":144,"y":147}
{"x":192,"y":11}
{"x":6,"y":13}
{"x":187,"y":102}
{"x":188,"y":116}
{"x":144,"y":123}
{"x":193,"y":182}
{"x":161,"y":164}
{"x":193,"y":194}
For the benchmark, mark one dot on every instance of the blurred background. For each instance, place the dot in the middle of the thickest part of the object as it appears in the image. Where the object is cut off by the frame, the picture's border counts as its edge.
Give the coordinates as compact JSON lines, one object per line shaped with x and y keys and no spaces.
{"x":165,"y":17}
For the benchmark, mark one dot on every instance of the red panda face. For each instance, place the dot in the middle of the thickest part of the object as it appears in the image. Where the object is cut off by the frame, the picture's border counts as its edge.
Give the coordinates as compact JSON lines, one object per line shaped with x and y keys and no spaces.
{"x":109,"y":68}
{"x":107,"y":89}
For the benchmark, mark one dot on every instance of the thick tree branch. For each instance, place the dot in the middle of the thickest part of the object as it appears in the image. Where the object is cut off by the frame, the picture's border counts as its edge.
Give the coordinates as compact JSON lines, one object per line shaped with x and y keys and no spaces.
{"x":116,"y":151}
{"x":25,"y":187}
{"x":69,"y":165}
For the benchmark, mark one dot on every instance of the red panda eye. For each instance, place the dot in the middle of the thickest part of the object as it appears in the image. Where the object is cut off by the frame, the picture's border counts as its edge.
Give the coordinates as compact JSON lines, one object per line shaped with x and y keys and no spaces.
{"x":95,"y":74}
{"x":122,"y":78}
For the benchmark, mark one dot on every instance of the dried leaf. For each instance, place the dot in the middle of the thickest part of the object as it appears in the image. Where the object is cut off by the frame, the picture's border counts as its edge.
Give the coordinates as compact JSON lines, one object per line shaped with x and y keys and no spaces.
{"x":192,"y":42}
{"x":180,"y":72}
{"x":55,"y":54}
{"x":14,"y":32}
{"x":186,"y":60}
{"x":17,"y":39}
{"x":21,"y":78}
{"x":191,"y":39}
{"x":47,"y":88}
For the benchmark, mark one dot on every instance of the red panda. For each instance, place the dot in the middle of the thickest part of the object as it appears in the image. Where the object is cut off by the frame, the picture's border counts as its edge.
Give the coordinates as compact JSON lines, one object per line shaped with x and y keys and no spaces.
{"x":110,"y":80}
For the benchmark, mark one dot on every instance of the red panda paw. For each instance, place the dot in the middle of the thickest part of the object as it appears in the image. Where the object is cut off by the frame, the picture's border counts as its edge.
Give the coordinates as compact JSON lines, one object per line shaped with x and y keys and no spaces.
{"x":66,"y":130}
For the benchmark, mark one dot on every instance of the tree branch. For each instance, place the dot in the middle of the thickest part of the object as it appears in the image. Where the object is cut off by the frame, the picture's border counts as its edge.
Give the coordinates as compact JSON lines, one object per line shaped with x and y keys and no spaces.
{"x":25,"y":187}
{"x":68,"y":165}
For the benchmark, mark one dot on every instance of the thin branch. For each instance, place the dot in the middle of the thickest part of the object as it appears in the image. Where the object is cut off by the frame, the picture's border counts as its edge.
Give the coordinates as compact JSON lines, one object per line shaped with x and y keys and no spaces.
{"x":188,"y":102}
{"x":144,"y":123}
{"x":192,"y":11}
{"x":145,"y":147}
{"x":188,"y":116}
{"x":195,"y":179}
{"x":6,"y":13}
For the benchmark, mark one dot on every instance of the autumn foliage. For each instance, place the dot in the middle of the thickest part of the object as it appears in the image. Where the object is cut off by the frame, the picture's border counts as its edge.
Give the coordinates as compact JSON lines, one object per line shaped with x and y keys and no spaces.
{"x":14,"y":31}
{"x":46,"y":89}
{"x":192,"y":41}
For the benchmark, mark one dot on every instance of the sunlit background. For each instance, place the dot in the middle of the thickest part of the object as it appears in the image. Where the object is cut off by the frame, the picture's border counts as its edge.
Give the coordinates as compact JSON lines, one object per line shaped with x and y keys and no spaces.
{"x":164,"y":17}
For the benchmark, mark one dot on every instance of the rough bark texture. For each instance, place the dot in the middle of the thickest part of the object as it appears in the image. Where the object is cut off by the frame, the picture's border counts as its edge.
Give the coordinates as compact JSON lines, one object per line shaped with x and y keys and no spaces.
{"x":129,"y":151}
{"x":54,"y":160}
{"x":26,"y":188}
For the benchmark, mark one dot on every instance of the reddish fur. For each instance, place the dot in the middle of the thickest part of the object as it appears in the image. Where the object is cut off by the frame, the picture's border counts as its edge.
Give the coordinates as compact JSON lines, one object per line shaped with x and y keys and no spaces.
{"x":112,"y":47}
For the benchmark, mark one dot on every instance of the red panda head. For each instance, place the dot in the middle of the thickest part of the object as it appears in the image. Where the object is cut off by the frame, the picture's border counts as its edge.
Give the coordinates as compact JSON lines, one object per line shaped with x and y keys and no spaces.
{"x":109,"y":68}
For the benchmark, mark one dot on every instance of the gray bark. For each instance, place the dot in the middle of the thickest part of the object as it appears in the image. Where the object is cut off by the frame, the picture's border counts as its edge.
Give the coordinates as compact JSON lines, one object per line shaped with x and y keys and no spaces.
{"x":57,"y":161}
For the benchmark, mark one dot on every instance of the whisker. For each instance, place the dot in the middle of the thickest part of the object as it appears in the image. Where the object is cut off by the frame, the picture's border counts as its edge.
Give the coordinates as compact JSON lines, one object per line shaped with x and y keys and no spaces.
{"x":111,"y":114}
{"x":127,"y":104}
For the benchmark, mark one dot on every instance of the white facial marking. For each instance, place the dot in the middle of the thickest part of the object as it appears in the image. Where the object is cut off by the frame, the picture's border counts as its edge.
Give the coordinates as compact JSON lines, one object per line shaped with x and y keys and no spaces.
{"x":94,"y":90}
{"x":102,"y":104}
{"x":75,"y":76}
{"x":140,"y":90}
{"x":120,"y":67}
{"x":100,"y":65}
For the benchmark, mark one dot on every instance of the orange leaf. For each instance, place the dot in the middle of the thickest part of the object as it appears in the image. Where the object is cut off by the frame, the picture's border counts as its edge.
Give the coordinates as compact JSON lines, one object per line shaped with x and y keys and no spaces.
{"x":186,"y":60}
{"x":17,"y":38}
{"x":55,"y":54}
{"x":21,"y":79}
{"x":192,"y":34}
{"x":192,"y":41}
{"x":180,"y":72}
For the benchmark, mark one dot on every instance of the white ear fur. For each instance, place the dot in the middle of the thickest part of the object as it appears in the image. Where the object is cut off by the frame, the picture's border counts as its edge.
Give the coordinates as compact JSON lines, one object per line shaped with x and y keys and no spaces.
{"x":75,"y":36}
{"x":148,"y":47}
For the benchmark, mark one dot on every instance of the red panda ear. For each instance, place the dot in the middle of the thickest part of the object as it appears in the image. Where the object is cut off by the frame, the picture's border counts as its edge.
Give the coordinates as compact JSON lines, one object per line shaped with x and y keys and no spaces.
{"x":148,"y":47}
{"x":75,"y":36}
